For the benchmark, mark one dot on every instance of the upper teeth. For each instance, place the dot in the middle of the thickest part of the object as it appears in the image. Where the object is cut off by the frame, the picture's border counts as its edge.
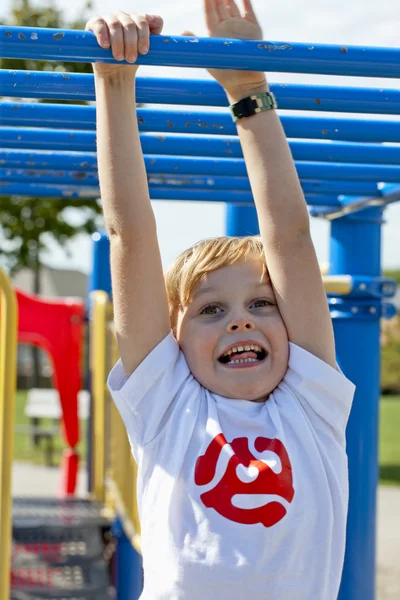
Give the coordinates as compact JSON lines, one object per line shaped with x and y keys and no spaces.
{"x":245,"y":348}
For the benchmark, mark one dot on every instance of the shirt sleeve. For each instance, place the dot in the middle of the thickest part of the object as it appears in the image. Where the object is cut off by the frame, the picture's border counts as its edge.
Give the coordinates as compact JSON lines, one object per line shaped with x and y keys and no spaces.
{"x":149,"y":396}
{"x":322,"y":390}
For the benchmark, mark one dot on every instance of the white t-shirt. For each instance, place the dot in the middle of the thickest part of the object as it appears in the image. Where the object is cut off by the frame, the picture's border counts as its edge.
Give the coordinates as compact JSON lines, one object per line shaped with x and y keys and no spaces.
{"x":238,"y":499}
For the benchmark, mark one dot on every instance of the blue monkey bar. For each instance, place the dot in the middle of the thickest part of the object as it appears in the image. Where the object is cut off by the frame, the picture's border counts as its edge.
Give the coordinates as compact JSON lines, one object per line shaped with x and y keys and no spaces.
{"x":322,"y":206}
{"x":209,"y":123}
{"x":318,"y":191}
{"x":78,"y":190}
{"x":24,"y":138}
{"x":200,"y":166}
{"x":201,"y":92}
{"x":180,"y":51}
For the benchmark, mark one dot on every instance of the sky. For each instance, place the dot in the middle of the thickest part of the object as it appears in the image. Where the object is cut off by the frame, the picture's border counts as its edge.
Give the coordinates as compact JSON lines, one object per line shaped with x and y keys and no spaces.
{"x":358,"y":22}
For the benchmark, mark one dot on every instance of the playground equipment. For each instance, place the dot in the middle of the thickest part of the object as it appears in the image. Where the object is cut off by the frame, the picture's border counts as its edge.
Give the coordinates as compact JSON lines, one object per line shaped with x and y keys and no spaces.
{"x":56,"y":325}
{"x":347,"y":175}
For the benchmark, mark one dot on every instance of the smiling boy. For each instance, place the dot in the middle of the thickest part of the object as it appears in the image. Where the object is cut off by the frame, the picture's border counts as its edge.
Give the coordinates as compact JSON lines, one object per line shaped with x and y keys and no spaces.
{"x":227,"y":384}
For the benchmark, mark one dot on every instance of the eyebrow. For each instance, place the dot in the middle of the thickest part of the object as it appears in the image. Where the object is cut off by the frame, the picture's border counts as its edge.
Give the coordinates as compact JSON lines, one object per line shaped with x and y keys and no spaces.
{"x":207,"y":289}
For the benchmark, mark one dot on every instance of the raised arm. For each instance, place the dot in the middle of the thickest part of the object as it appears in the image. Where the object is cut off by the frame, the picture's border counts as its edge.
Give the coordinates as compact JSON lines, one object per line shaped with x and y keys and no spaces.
{"x":281,"y":208}
{"x":139,"y":295}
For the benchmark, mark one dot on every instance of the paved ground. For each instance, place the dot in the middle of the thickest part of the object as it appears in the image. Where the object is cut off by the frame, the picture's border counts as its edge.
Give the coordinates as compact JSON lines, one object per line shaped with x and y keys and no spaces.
{"x":30,"y":480}
{"x":388,"y":550}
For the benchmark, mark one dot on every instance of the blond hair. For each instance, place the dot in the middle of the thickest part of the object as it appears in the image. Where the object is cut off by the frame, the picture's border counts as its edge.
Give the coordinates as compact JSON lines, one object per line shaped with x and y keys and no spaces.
{"x":192,"y":266}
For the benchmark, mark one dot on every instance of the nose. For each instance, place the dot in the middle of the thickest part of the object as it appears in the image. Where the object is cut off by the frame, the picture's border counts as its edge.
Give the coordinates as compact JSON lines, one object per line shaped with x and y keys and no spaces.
{"x":239,"y":323}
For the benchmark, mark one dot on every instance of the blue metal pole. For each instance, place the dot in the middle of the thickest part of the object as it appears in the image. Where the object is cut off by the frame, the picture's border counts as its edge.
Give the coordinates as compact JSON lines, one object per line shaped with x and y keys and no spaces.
{"x":201,"y":92}
{"x":129,"y":572}
{"x":355,"y":250}
{"x":181,"y":51}
{"x":199,"y":165}
{"x":321,"y":189}
{"x":241,"y":221}
{"x":198,"y":122}
{"x":100,"y":276}
{"x":35,"y":190}
{"x":224,"y":146}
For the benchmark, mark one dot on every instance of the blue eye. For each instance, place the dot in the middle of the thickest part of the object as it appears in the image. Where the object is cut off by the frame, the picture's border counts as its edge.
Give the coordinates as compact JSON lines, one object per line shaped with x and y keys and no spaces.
{"x":209,"y":307}
{"x":263,"y":302}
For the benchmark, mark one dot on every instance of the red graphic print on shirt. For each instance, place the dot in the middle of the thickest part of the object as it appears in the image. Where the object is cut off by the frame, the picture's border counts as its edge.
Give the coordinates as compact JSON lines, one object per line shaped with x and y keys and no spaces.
{"x":261,"y":480}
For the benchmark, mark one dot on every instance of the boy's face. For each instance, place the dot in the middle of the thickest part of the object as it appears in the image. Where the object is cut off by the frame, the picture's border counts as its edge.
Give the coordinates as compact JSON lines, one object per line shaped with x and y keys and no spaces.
{"x":232,"y":309}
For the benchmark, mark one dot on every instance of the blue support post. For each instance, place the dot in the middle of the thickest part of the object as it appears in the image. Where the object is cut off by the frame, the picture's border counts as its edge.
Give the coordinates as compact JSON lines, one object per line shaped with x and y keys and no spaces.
{"x":241,"y":220}
{"x":100,"y":276}
{"x":129,"y":573}
{"x":355,"y":250}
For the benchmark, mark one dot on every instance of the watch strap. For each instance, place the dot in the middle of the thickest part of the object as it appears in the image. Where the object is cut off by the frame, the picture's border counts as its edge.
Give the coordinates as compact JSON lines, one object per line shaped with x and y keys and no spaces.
{"x":252,"y":105}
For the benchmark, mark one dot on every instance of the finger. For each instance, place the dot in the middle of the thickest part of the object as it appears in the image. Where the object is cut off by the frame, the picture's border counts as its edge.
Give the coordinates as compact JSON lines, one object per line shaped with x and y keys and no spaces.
{"x":100,"y":30}
{"x":156,"y":23}
{"x":222,"y":10}
{"x":211,"y":13}
{"x":249,"y":11}
{"x":116,"y":36}
{"x":143,"y":31}
{"x":130,"y":35}
{"x":233,"y":8}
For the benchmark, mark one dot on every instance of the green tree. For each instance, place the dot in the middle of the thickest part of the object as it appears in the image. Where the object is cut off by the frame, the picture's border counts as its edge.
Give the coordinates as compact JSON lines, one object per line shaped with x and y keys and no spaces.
{"x":28,"y":225}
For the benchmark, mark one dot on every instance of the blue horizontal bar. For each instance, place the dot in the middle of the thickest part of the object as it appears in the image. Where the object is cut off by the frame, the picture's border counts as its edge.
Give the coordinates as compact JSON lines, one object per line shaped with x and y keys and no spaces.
{"x":34,"y":190}
{"x":65,"y":177}
{"x":364,"y":286}
{"x":388,"y":195}
{"x":195,"y":122}
{"x":182,"y":165}
{"x":41,"y":159}
{"x":201,"y":92}
{"x":196,"y":145}
{"x":180,"y":51}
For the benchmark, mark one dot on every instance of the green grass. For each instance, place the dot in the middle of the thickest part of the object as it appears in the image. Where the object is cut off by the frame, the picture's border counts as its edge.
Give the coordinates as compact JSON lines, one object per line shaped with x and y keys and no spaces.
{"x":24,"y":450}
{"x":389,"y":439}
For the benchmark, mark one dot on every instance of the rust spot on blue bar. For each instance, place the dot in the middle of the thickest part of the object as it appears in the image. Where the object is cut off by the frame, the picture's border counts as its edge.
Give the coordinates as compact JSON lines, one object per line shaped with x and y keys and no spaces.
{"x":343,"y":50}
{"x":79,"y":175}
{"x":21,"y":36}
{"x":65,"y":76}
{"x":170,"y":124}
{"x":317,"y":100}
{"x":59,"y":35}
{"x":8,"y":34}
{"x":272,"y":47}
{"x":161,"y":138}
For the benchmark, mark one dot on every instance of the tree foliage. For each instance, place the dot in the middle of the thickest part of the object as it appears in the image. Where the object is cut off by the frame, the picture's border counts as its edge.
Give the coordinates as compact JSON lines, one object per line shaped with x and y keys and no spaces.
{"x":27,"y":225}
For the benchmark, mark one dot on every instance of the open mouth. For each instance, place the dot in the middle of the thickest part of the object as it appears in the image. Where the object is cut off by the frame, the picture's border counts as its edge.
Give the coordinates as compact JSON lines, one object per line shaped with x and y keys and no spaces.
{"x":245,"y":354}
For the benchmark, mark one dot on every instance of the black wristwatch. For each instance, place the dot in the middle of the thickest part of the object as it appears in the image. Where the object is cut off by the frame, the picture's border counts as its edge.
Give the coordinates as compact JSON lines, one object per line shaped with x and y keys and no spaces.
{"x":252,"y":105}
